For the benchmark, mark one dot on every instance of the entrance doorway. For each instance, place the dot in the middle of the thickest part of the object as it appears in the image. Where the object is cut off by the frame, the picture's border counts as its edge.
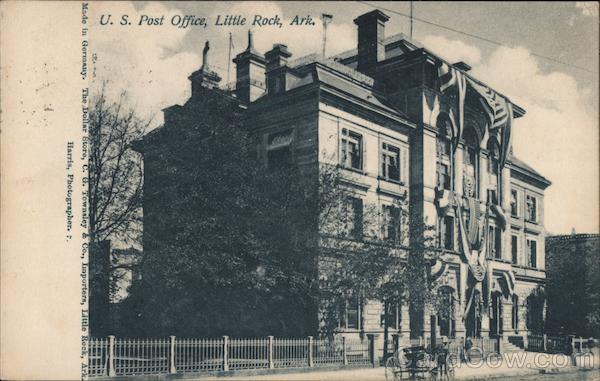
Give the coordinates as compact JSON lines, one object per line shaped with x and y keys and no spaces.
{"x":473,"y":320}
{"x":496,"y":321}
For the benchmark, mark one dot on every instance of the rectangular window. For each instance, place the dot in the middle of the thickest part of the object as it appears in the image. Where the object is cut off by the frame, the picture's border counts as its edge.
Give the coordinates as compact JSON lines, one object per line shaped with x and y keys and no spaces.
{"x":532,"y":251}
{"x":392,"y":313}
{"x":390,"y":162}
{"x":444,"y":148}
{"x":350,"y":314}
{"x":351,"y":150}
{"x":531,"y":208}
{"x":514,"y":249}
{"x":514,"y":203}
{"x":392,"y":224}
{"x":444,"y":176}
{"x":447,"y":233}
{"x":494,"y":240}
{"x":353,"y":217}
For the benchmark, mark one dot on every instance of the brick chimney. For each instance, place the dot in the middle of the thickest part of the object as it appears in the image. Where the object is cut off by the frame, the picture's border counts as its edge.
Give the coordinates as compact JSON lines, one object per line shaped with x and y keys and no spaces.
{"x":250,"y":73}
{"x":277,"y":59}
{"x":205,"y":77}
{"x":371,"y":34}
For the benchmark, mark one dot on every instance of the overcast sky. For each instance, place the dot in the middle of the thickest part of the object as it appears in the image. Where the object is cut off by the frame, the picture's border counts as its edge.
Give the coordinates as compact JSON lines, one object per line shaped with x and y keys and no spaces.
{"x":558,"y":136}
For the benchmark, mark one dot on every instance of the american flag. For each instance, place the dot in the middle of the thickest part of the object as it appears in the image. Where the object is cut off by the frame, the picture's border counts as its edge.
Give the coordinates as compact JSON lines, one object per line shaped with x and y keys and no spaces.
{"x":449,"y":77}
{"x":500,"y":115}
{"x":496,"y":106}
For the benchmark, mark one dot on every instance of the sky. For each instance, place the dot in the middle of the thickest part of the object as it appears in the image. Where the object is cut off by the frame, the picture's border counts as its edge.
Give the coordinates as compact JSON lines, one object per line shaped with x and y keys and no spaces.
{"x":558,"y":136}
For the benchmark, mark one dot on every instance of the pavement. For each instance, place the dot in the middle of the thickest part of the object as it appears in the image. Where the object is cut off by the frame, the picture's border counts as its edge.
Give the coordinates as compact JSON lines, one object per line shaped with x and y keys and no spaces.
{"x":517,"y":365}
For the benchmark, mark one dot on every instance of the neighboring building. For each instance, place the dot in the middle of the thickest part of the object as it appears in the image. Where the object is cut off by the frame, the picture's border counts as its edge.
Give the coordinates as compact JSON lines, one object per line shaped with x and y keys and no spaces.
{"x":402,"y":124}
{"x":573,"y":292}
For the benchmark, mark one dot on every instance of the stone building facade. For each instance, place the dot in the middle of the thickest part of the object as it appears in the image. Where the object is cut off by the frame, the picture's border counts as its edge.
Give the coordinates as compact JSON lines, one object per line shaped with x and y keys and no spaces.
{"x":402,"y":123}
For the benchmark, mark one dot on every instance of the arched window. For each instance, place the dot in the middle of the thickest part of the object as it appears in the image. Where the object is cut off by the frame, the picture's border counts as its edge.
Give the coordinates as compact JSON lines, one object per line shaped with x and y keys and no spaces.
{"x":494,"y":170}
{"x":471,"y":163}
{"x":515,"y":313}
{"x":444,"y":151}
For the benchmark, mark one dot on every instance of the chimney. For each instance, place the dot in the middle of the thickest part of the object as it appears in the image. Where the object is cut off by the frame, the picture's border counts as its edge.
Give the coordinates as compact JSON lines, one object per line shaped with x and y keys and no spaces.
{"x":462,"y":65}
{"x":250,"y":73}
{"x":276,"y":66}
{"x":205,"y":77}
{"x":371,"y":33}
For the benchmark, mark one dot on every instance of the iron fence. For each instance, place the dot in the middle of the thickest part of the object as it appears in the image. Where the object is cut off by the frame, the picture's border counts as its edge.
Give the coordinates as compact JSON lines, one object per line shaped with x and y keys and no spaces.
{"x":328,"y":352}
{"x":141,"y":356}
{"x":291,"y":353}
{"x":248,"y":354}
{"x":126,"y":357}
{"x":198,"y":355}
{"x":357,"y":351}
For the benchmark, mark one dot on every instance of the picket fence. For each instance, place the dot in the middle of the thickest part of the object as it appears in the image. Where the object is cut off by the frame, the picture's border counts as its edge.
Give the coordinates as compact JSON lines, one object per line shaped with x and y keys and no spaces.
{"x":124,"y":357}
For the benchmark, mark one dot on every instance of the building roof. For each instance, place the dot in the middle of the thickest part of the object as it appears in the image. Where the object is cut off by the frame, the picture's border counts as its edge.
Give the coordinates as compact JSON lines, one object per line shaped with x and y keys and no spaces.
{"x":574,"y":237}
{"x":400,"y":44}
{"x":392,"y":44}
{"x":527,"y":169}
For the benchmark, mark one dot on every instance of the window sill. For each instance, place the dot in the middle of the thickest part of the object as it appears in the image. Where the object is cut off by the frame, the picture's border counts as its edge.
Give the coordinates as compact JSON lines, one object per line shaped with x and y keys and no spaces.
{"x":352,"y":169}
{"x":397,"y":182}
{"x":525,"y":267}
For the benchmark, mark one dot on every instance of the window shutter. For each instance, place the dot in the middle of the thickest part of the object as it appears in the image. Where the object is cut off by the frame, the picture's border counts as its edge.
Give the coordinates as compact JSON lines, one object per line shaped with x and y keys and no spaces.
{"x":404,"y":165}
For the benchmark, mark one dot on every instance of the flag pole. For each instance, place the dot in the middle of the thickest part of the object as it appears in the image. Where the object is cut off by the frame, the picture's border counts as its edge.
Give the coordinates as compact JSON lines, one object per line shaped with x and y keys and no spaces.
{"x":411,"y":19}
{"x":326,"y":20}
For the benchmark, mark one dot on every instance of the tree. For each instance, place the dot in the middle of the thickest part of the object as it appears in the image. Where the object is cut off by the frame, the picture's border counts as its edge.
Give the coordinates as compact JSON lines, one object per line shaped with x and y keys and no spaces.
{"x":115,"y":180}
{"x":234,"y":246}
{"x":390,"y":261}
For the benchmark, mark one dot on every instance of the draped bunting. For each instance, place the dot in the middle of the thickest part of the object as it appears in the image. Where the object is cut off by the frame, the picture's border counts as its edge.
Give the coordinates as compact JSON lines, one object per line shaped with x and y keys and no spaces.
{"x":499,"y":110}
{"x":499,"y":113}
{"x":509,"y":277}
{"x":449,"y":78}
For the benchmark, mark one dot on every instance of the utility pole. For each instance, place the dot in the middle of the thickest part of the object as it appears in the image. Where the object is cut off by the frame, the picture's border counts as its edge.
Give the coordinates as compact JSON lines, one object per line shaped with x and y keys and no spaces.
{"x":326,"y":20}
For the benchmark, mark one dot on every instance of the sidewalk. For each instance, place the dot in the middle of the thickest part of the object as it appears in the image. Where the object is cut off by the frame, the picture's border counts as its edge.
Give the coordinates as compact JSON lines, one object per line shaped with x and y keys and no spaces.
{"x":529,"y":363}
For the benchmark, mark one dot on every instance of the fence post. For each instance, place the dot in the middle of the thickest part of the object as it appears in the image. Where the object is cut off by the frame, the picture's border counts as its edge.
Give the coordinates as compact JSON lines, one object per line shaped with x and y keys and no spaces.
{"x":499,"y":344}
{"x":545,"y":343}
{"x":310,"y":352}
{"x":395,"y":342}
{"x":420,"y":341}
{"x":270,"y":352}
{"x":371,"y":337}
{"x":225,"y":353}
{"x":580,"y":344}
{"x":111,"y":357}
{"x":345,"y":350}
{"x":172,"y":368}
